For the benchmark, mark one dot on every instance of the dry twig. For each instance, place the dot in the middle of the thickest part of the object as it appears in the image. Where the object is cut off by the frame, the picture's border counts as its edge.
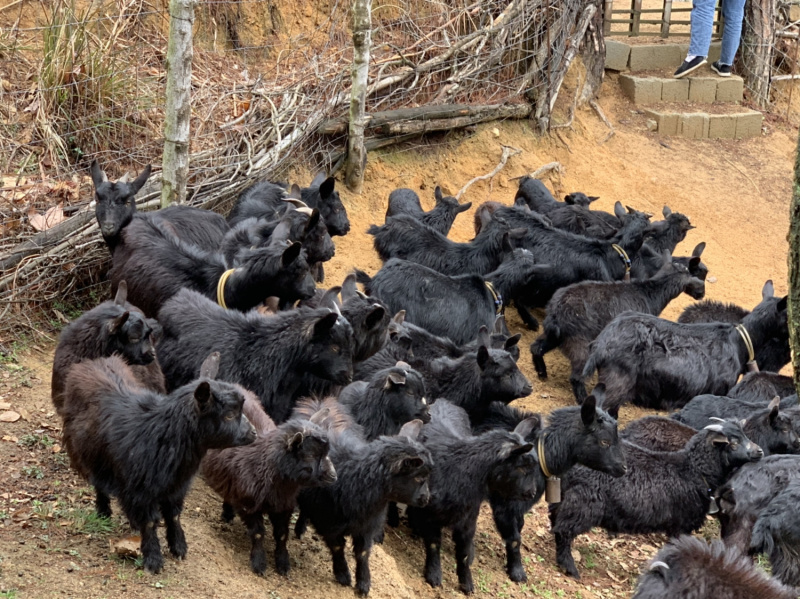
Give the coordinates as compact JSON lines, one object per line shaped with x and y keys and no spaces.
{"x":508,"y":152}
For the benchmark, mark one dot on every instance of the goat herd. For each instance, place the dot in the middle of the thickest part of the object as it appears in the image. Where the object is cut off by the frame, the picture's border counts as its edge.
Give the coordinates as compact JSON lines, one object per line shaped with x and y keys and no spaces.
{"x":220,"y":354}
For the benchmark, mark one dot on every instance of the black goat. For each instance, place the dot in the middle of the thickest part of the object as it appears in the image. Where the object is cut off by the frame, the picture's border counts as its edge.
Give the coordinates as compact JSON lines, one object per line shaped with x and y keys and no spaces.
{"x":777,"y":533}
{"x":266,"y":476}
{"x":578,"y":435}
{"x":451,"y":306}
{"x":405,"y":237}
{"x":762,"y":386}
{"x":300,"y":224}
{"x":577,"y":314}
{"x":265,"y":200}
{"x":658,"y":433}
{"x":661,"y":364}
{"x":369,"y":476}
{"x":441,"y":218}
{"x":265,"y":354}
{"x":772,"y":355}
{"x":156,"y":265}
{"x":144,"y":447}
{"x":538,"y":198}
{"x":665,"y":235}
{"x":464,"y":467}
{"x":116,"y":208}
{"x":666,"y":492}
{"x":689,"y":568}
{"x":475,"y":380}
{"x":383,"y":405}
{"x":113,"y":327}
{"x":743,"y":497}
{"x":648,"y":261}
{"x":702,"y":407}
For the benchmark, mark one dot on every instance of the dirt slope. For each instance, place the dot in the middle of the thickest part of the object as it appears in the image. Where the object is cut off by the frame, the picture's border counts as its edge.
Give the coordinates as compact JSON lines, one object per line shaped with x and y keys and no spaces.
{"x":735,"y":192}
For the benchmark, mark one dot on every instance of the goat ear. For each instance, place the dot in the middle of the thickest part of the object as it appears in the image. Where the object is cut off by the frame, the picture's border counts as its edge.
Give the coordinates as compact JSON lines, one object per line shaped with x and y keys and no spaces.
{"x":325,"y":324}
{"x":774,"y":407}
{"x":619,"y":211}
{"x":294,"y":442}
{"x":483,"y":357}
{"x":393,"y":379}
{"x":499,"y":324}
{"x":527,"y":426}
{"x":375,"y":317}
{"x":291,"y":253}
{"x":613,"y":412}
{"x":698,"y":249}
{"x":294,"y":192}
{"x":210,"y":366}
{"x":768,"y":290}
{"x":589,"y":410}
{"x":486,"y":218}
{"x":326,"y":187}
{"x":272,"y":304}
{"x":319,"y":417}
{"x":400,"y":317}
{"x":484,"y":339}
{"x":313,"y":221}
{"x":98,"y":175}
{"x":202,"y":395}
{"x":666,"y":212}
{"x":406,"y":464}
{"x":782,"y":303}
{"x":122,"y":293}
{"x":509,"y":449}
{"x":403,"y":365}
{"x":115,"y":324}
{"x":569,"y":199}
{"x":593,"y":198}
{"x":330,"y":298}
{"x":506,"y":243}
{"x":349,"y":288}
{"x":139,"y":181}
{"x":411,"y":429}
{"x":694,"y":263}
{"x":512,"y":341}
{"x":437,"y":194}
{"x":463,"y":207}
{"x":156,"y":331}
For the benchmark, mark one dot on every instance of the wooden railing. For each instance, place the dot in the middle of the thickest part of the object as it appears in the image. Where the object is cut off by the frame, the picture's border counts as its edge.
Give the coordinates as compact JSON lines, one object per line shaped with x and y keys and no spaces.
{"x":626,"y":17}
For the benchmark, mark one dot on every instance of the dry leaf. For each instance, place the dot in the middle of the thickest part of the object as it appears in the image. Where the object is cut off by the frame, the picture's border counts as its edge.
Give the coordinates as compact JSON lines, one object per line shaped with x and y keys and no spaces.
{"x":9,"y":416}
{"x":25,"y":414}
{"x":51,"y":218}
{"x":4,"y":405}
{"x":127,"y":547}
{"x":55,"y":448}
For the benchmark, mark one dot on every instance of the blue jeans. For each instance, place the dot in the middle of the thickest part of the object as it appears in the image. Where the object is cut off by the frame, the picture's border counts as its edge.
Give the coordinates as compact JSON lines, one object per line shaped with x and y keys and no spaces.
{"x":703,"y":23}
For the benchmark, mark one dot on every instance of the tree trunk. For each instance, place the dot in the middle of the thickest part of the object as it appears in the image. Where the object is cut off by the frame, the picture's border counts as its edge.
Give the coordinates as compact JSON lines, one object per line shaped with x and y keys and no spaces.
{"x":758,"y":48}
{"x":362,"y":40}
{"x":178,"y":111}
{"x":593,"y":54}
{"x":794,"y":271}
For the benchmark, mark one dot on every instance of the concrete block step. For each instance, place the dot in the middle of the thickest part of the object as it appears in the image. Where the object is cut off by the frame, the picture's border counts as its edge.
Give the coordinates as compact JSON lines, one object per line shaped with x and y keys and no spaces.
{"x":703,"y":88}
{"x":646,"y":54}
{"x":742,"y":124}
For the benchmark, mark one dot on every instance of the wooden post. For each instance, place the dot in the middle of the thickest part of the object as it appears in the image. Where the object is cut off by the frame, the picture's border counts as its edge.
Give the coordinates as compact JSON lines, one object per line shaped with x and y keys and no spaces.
{"x":794,"y":272}
{"x":609,"y":14}
{"x":758,"y":40}
{"x":666,"y":17}
{"x":362,"y":40}
{"x":636,"y":16}
{"x":175,"y":162}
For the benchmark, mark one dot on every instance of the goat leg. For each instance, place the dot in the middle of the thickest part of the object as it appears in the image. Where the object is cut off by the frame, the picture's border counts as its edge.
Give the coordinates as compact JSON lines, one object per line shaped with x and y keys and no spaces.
{"x":361,"y":548}
{"x":280,"y":531}
{"x":102,"y":504}
{"x":227,"y":513}
{"x":433,"y":564}
{"x":465,"y":553}
{"x":340,"y":570}
{"x":176,"y":539}
{"x":564,"y":555}
{"x":255,"y":530}
{"x":153,"y":561}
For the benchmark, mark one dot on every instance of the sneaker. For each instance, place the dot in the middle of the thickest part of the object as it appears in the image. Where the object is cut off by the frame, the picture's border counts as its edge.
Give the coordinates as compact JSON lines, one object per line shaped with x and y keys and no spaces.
{"x":723,"y":70}
{"x":689,"y":66}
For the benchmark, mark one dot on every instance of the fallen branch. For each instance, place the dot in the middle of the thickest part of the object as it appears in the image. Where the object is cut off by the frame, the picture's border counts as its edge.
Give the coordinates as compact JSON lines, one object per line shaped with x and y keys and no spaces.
{"x":508,"y":152}
{"x":537,"y":174}
{"x":603,"y":117}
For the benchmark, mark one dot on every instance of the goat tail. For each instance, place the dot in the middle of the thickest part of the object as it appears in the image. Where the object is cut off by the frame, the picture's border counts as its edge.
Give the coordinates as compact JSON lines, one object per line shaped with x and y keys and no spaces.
{"x":591,"y":366}
{"x":761,"y":540}
{"x":373,"y":230}
{"x":362,"y":277}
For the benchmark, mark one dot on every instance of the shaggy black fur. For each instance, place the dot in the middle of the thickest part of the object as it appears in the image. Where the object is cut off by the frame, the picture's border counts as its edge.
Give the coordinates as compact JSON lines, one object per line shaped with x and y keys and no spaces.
{"x":441,"y":218}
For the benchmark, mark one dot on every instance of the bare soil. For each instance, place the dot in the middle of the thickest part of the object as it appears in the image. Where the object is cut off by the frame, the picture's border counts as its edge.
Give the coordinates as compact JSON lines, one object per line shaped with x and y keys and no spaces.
{"x":735,"y":192}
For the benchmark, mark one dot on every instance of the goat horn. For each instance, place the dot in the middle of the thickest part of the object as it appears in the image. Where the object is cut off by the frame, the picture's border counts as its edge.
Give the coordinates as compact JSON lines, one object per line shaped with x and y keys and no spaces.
{"x":717,"y":419}
{"x":658,"y":564}
{"x":713,"y":427}
{"x":295,"y":202}
{"x":124,"y":178}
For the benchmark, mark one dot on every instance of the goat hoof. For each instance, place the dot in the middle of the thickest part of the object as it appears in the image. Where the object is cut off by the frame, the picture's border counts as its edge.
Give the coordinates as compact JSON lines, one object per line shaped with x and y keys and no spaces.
{"x":572,"y":572}
{"x":343,"y":578}
{"x":467,"y":588}
{"x":153,"y":564}
{"x":282,"y":565}
{"x":362,"y":588}
{"x":434,"y":580}
{"x":258,"y":564}
{"x":517,"y":575}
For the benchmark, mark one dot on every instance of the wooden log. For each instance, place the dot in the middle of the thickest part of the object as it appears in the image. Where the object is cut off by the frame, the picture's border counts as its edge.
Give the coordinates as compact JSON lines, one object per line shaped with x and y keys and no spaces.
{"x":758,"y":39}
{"x":512,"y":111}
{"x":439,"y":111}
{"x":362,"y":42}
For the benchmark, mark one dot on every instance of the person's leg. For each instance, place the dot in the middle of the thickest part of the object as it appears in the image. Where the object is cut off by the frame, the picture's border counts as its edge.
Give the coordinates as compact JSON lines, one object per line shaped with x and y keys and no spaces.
{"x":702,"y":26}
{"x":733,"y":11}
